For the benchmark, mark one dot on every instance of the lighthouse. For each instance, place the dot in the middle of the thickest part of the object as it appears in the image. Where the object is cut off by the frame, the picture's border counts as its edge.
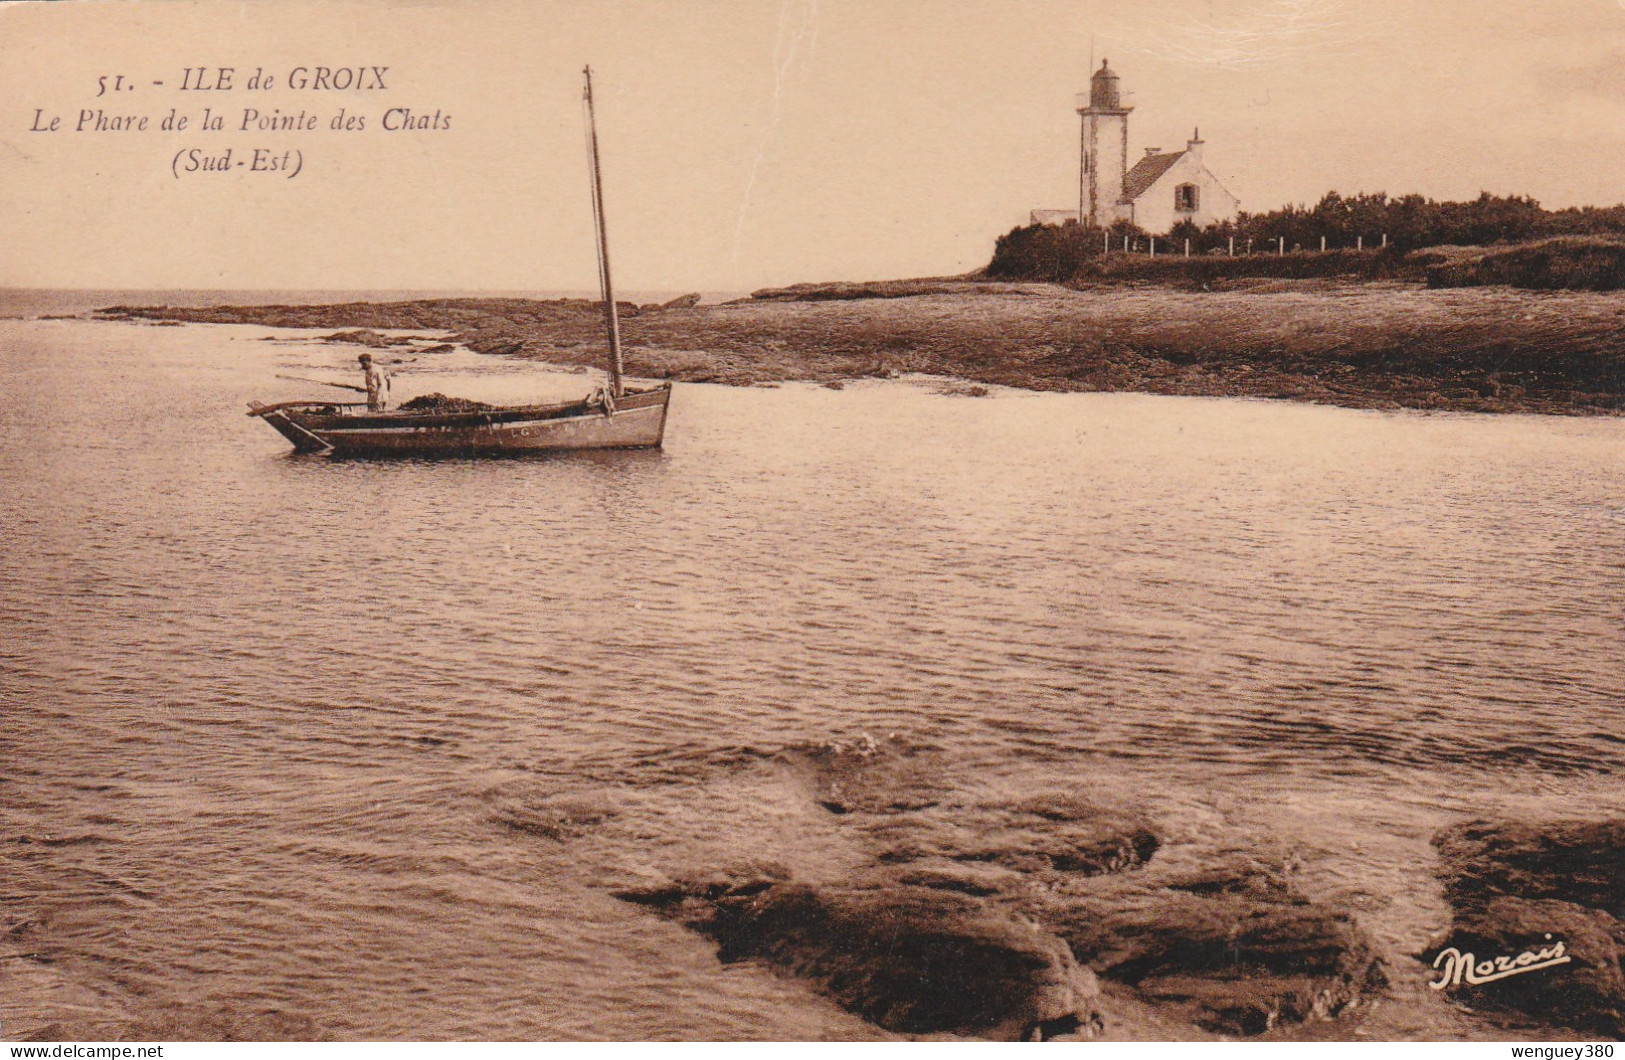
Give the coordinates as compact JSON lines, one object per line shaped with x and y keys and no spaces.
{"x":1105,"y":150}
{"x":1160,"y":190}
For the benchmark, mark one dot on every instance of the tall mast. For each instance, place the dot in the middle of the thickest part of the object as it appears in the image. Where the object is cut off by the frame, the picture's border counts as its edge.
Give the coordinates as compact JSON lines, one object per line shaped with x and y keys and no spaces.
{"x":612,"y":317}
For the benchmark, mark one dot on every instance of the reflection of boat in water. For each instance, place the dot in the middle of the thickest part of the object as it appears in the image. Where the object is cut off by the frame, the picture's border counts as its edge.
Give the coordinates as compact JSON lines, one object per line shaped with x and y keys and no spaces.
{"x":613,"y":418}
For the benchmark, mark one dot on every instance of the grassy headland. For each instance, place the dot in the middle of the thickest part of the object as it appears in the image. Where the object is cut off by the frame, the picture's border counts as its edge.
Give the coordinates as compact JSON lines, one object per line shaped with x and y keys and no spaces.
{"x":1073,"y":255}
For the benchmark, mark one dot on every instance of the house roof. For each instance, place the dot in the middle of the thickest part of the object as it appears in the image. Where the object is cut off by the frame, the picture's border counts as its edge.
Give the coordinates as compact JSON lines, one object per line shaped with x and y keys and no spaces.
{"x":1146,"y":172}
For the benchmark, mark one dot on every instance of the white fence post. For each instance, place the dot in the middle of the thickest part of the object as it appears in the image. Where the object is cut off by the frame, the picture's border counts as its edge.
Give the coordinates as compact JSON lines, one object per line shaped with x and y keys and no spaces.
{"x":1232,"y":246}
{"x":1153,"y":246}
{"x":1323,"y":244}
{"x":1187,"y":248}
{"x":1359,"y":242}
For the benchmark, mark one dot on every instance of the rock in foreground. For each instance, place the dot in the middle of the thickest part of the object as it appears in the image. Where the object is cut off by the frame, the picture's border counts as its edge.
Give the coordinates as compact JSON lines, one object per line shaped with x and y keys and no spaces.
{"x":1552,"y":891}
{"x":912,"y":959}
{"x":1234,"y":949}
{"x":1572,"y":861}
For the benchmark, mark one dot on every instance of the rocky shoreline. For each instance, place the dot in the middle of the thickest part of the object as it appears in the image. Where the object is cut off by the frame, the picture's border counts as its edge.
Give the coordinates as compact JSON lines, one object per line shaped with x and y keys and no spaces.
{"x":1066,"y":915}
{"x":1363,"y":345}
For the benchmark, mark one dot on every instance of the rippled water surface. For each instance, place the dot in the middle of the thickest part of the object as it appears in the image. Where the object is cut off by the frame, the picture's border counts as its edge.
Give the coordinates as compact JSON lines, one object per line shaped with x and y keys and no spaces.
{"x":282,"y":737}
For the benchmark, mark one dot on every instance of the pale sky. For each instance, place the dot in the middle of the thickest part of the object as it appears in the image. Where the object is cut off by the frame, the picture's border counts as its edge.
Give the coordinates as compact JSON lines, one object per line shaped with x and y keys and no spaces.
{"x":752,"y":143}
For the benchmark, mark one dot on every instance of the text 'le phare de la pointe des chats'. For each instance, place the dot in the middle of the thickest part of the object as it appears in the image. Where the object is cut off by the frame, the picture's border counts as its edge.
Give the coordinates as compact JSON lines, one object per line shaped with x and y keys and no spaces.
{"x":243,"y":121}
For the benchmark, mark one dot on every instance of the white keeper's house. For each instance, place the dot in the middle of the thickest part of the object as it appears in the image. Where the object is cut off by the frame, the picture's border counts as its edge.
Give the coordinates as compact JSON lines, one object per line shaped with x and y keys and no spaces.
{"x":1161,"y":190}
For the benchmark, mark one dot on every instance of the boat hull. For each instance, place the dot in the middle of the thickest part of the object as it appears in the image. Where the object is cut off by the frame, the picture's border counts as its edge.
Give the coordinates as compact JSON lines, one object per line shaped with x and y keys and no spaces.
{"x":637,"y":422}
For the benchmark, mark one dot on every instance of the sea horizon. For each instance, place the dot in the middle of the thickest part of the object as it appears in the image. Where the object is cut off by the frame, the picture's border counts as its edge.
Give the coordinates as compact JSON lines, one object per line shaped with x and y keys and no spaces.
{"x":37,"y":301}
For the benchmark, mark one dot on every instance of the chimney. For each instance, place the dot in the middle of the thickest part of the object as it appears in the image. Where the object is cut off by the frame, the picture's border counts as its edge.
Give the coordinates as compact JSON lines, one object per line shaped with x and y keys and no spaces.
{"x":1150,"y":152}
{"x":1194,"y":147}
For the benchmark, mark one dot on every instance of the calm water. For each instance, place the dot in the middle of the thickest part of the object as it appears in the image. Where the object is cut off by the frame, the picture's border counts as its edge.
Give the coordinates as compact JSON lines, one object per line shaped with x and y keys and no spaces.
{"x":269,"y":723}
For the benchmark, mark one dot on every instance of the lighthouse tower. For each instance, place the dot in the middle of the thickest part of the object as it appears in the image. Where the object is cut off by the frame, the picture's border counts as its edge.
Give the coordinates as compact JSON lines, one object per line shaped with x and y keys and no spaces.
{"x":1105,"y":150}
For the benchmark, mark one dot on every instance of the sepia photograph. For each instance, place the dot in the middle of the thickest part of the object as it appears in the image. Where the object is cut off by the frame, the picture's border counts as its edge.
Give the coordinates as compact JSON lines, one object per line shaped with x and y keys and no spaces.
{"x":900,"y":521}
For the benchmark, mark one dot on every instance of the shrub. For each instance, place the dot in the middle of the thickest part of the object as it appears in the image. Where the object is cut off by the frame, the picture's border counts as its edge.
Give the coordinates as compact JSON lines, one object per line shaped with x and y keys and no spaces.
{"x":1409,"y":222}
{"x":1566,"y":263}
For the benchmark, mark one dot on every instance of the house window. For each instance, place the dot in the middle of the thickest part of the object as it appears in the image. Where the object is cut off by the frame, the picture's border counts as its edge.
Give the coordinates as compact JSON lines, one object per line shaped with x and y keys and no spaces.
{"x":1185,"y":198}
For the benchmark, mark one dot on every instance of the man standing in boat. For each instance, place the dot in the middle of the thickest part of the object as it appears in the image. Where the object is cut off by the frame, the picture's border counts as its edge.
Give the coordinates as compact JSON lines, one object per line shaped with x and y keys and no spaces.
{"x":377,"y":384}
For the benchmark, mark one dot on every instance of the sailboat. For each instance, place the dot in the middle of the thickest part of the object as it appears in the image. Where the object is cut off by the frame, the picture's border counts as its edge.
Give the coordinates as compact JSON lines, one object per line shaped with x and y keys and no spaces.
{"x":612,"y":417}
